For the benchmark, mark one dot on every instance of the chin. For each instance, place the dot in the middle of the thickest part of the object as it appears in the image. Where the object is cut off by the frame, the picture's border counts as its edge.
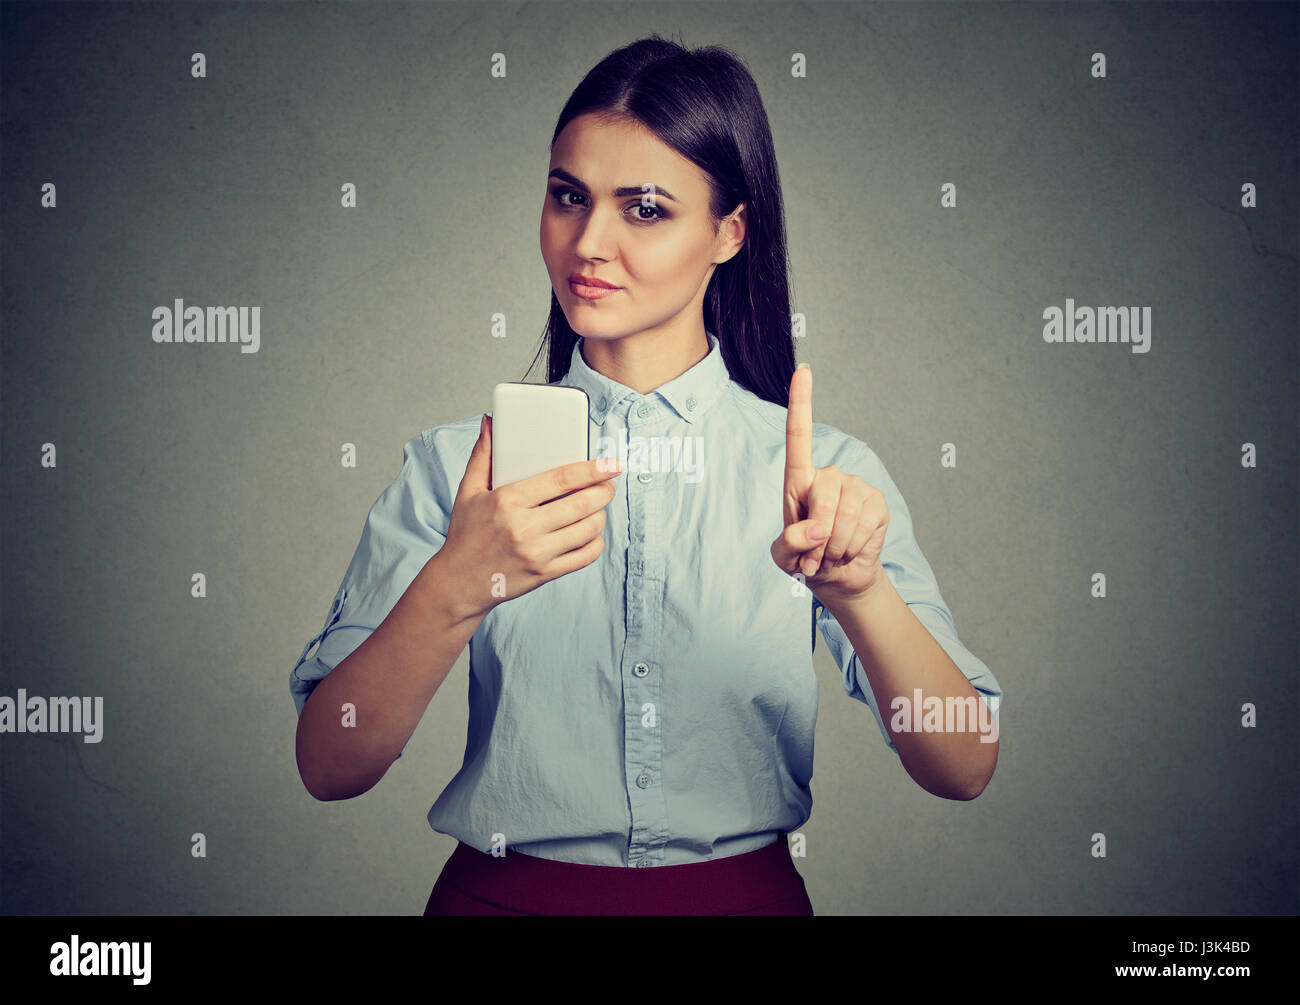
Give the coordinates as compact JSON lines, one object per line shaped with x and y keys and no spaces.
{"x":592,"y":328}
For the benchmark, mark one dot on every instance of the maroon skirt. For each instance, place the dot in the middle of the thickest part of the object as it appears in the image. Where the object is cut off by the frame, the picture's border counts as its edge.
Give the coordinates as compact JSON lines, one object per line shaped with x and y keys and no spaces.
{"x":764,"y":881}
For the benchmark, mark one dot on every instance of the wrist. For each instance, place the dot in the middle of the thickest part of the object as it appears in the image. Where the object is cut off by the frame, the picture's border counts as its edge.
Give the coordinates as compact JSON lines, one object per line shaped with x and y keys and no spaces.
{"x":874,"y":597}
{"x":448,"y":594}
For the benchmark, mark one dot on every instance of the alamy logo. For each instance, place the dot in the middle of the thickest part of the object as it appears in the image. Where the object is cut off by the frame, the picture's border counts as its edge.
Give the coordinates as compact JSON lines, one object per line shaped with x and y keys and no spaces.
{"x":101,"y":959}
{"x":656,"y":453}
{"x":57,"y":715}
{"x":1131,"y":325}
{"x":179,"y":323}
{"x":949,"y":714}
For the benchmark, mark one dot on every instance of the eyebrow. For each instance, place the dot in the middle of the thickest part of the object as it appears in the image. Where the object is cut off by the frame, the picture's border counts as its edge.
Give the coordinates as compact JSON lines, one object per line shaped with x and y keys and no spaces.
{"x":618,"y":193}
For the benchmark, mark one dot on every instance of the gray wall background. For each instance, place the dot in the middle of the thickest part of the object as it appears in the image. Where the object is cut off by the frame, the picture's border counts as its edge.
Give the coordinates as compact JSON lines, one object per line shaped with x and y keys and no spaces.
{"x":1122,"y":715}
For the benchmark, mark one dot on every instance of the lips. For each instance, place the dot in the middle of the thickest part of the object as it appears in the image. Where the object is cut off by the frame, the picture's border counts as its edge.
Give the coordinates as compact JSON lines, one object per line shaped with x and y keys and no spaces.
{"x":590,"y":293}
{"x":581,"y":280}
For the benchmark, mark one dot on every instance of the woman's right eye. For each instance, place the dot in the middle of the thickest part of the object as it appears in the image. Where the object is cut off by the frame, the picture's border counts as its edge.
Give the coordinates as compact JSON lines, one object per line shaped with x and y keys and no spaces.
{"x":560,"y":193}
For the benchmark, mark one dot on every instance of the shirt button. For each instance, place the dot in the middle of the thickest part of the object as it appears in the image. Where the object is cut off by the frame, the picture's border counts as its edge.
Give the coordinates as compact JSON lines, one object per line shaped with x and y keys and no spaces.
{"x":642,"y":863}
{"x":643,"y":780}
{"x":644,"y":477}
{"x":640,"y":669}
{"x":643,"y":411}
{"x":690,"y":403}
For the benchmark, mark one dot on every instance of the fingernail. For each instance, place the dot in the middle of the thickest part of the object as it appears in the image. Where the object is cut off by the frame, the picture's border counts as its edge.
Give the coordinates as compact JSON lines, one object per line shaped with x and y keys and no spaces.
{"x":818,"y":532}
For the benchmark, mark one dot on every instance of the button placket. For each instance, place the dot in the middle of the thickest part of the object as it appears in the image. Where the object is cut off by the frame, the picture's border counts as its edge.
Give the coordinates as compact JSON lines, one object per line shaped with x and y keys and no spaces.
{"x":643,"y":749}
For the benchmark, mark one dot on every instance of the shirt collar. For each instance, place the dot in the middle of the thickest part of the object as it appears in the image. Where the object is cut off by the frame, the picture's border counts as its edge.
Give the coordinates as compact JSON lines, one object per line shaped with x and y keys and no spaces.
{"x":689,"y":394}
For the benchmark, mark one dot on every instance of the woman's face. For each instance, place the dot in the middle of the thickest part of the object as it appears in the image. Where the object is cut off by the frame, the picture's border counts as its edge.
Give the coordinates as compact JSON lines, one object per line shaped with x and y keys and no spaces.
{"x":657,"y":245}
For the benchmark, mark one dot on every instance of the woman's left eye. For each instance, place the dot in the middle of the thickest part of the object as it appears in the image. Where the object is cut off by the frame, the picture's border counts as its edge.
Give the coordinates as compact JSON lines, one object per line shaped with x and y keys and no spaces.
{"x":659,"y":214}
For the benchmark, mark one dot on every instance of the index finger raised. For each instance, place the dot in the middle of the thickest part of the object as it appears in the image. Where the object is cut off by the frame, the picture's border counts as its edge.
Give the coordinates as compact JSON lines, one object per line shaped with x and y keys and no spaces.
{"x":799,"y":471}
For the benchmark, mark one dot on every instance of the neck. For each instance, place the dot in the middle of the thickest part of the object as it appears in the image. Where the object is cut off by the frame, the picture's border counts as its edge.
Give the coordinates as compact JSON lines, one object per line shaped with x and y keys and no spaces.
{"x":646,"y":360}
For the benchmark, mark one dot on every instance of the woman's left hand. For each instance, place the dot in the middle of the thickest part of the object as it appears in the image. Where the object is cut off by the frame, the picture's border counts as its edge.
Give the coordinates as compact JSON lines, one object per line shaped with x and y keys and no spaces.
{"x":846,"y":564}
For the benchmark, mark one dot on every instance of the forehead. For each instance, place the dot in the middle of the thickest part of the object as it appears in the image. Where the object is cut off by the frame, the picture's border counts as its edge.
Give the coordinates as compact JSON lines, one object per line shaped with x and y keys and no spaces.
{"x":608,"y":154}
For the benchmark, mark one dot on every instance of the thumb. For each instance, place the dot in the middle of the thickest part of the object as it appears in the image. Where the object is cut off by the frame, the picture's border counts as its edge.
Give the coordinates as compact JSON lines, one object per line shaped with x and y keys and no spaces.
{"x":478,"y":471}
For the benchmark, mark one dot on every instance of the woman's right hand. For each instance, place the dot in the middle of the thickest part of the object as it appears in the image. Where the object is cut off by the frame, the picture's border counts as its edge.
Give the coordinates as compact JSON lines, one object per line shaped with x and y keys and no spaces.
{"x":515,"y":532}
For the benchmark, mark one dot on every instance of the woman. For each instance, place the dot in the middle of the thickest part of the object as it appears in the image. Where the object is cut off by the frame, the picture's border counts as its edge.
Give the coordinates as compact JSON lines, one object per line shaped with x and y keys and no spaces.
{"x":641,"y":704}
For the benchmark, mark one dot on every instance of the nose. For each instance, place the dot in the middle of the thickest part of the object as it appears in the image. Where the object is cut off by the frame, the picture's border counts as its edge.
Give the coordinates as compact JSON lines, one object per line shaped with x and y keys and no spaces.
{"x":596,"y":236}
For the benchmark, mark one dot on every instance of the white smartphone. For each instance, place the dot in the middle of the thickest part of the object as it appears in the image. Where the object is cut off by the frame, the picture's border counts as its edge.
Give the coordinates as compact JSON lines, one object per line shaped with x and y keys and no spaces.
{"x":536,"y":427}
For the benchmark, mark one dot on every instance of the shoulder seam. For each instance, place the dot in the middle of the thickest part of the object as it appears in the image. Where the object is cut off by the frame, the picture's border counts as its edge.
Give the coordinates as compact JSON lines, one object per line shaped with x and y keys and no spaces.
{"x":744,"y":402}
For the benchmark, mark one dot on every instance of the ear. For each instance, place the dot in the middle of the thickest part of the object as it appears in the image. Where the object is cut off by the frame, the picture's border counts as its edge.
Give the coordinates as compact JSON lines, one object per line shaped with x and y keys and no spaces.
{"x":731,"y":235}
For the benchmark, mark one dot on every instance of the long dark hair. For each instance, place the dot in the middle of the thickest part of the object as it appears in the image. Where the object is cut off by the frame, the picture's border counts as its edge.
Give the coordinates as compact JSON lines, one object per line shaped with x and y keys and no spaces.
{"x":704,"y":104}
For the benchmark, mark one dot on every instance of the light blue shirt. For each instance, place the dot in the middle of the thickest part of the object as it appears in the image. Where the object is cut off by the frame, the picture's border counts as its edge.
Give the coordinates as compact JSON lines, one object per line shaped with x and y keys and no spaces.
{"x":656,"y":707}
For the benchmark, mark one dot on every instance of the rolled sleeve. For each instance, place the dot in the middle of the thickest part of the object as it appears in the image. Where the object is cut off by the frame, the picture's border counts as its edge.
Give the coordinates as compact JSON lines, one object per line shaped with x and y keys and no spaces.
{"x":912,"y":577}
{"x":406,"y":526}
